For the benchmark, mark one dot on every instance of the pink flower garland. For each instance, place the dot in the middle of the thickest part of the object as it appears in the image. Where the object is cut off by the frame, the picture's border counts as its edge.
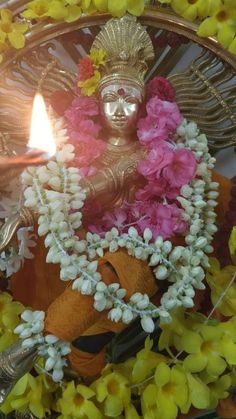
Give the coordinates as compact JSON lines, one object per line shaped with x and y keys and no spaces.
{"x":84,"y":132}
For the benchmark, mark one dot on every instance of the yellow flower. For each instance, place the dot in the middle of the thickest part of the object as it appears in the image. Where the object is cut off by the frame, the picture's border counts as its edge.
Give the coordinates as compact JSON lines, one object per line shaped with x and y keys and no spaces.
{"x":204,"y":349}
{"x":98,"y":56}
{"x":218,"y":280}
{"x":101,"y":5}
{"x":30,"y":393}
{"x":9,"y":312}
{"x":199,"y":393}
{"x":163,"y":399}
{"x":119,"y":8}
{"x":146,"y":362}
{"x":10,"y":31}
{"x":3,"y":45}
{"x":67,"y":10}
{"x":36,"y":9}
{"x":219,"y":390}
{"x":191,"y":9}
{"x":75,"y":403}
{"x":131,"y":412}
{"x":228,"y":340}
{"x":232,"y":242}
{"x":172,"y":390}
{"x":171,"y":332}
{"x":222,"y":23}
{"x":89,"y":87}
{"x":114,"y":392}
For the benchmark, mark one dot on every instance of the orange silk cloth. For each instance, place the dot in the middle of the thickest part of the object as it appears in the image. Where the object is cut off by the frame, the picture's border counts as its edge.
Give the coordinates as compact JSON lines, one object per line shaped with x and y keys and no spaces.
{"x":70,"y":314}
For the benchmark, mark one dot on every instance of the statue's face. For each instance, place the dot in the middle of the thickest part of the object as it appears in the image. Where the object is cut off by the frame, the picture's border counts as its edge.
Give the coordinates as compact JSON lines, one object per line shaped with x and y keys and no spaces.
{"x":120,"y":107}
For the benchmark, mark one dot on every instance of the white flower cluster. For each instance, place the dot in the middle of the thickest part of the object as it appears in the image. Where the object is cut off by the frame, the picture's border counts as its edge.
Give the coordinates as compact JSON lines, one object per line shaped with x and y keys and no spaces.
{"x":51,"y":348}
{"x":54,"y":193}
{"x":12,"y":259}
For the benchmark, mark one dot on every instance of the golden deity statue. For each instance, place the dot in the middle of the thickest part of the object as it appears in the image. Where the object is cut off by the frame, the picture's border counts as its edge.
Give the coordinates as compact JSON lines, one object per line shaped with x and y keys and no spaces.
{"x":121,"y":93}
{"x":128,"y":49}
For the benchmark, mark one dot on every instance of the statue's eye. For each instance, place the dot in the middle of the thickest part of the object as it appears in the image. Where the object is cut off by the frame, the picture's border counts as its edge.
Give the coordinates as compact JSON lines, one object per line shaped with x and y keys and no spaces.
{"x":132,"y":100}
{"x":109,"y":97}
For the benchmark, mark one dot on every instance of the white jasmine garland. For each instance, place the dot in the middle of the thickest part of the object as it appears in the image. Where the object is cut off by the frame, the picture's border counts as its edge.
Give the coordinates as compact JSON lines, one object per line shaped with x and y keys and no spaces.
{"x":53,"y":191}
{"x":51,"y":348}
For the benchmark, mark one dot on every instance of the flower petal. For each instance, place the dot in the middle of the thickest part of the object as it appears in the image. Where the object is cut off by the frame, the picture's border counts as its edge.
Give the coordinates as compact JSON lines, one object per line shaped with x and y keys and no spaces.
{"x":16,"y":39}
{"x":195,"y":362}
{"x":117,"y":8}
{"x":135,"y":7}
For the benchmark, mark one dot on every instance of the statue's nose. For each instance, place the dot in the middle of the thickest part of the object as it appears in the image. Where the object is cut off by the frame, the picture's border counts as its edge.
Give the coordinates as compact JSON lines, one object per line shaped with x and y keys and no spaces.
{"x":119,"y":109}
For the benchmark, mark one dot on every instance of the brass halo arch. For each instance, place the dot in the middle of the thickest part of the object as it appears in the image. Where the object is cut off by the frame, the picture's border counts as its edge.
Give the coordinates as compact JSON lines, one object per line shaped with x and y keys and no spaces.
{"x":161,"y":18}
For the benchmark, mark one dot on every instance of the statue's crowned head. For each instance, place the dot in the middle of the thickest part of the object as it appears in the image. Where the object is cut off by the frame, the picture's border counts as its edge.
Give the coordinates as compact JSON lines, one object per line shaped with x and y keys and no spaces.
{"x":128,"y":49}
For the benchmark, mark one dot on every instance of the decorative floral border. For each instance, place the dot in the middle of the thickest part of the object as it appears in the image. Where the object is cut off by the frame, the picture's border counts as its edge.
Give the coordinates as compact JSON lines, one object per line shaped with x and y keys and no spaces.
{"x":215,"y":17}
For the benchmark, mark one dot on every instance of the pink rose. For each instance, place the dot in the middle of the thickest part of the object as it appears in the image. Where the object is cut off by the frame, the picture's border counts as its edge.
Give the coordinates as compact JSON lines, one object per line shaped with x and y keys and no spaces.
{"x":158,"y":158}
{"x":182,"y":168}
{"x":162,"y":88}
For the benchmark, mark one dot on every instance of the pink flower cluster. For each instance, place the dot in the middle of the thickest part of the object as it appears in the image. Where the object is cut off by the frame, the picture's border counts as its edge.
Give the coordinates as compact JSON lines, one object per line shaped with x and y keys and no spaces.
{"x":165,"y":168}
{"x":84,"y":132}
{"x":162,"y":119}
{"x":163,"y":220}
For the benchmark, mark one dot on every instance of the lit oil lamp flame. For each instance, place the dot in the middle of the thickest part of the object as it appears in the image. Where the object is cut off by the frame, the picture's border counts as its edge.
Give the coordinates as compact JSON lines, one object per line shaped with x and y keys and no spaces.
{"x":41,"y":134}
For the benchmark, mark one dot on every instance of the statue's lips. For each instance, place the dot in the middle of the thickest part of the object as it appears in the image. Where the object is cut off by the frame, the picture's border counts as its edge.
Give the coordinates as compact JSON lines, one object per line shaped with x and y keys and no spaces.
{"x":119,"y":119}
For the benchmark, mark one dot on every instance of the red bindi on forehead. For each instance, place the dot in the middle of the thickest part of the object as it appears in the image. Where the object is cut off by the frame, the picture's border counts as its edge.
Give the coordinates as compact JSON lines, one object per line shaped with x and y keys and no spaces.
{"x":121,"y":92}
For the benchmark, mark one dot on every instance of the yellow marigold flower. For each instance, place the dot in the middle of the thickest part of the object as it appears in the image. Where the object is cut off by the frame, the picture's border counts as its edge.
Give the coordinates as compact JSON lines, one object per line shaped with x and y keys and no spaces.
{"x":10,"y":31}
{"x":98,"y":56}
{"x":114,"y":392}
{"x":75,"y":403}
{"x":204,"y":349}
{"x":89,"y":87}
{"x":222,"y":24}
{"x":218,"y":279}
{"x":232,"y":241}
